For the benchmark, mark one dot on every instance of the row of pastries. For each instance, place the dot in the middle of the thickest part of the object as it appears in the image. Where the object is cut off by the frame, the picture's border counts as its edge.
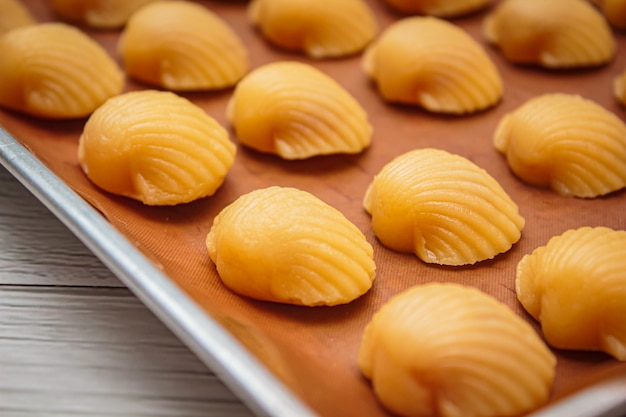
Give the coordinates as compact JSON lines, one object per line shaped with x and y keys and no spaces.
{"x":425,"y":61}
{"x":285,"y":245}
{"x":115,"y":13}
{"x":54,"y":70}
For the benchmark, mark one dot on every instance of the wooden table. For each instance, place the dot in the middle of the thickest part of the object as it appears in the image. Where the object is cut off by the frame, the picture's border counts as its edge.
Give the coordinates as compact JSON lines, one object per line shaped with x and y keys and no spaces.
{"x":75,"y":341}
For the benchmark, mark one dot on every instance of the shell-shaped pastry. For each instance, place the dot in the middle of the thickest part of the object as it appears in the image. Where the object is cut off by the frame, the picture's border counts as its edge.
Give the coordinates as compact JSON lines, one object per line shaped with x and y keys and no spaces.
{"x":439,"y":8}
{"x":619,"y":87}
{"x":14,"y":14}
{"x":296,"y":111}
{"x":53,"y":70}
{"x":575,"y":286}
{"x":551,"y":34}
{"x":432,"y":63}
{"x":182,"y":46}
{"x":442,"y":207}
{"x":155,"y":147}
{"x":614,"y":11}
{"x":318,"y":28}
{"x":285,"y":245}
{"x":99,"y":14}
{"x":565,"y":142}
{"x":449,"y":350}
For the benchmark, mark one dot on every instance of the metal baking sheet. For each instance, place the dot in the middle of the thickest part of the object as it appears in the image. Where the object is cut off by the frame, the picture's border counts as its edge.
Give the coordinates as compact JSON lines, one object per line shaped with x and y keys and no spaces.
{"x":258,"y":388}
{"x":397,"y":128}
{"x":222,"y":353}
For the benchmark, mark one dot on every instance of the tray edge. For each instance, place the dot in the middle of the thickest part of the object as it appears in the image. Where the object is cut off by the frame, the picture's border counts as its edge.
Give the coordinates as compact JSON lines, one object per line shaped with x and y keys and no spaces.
{"x":237,"y":368}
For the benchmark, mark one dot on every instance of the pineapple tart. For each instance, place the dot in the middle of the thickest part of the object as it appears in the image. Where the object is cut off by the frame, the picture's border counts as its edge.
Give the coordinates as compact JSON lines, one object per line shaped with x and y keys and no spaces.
{"x":295,"y":111}
{"x":453,"y":351}
{"x":155,"y":147}
{"x":575,"y":286}
{"x":443,"y":208}
{"x":285,"y":245}
{"x":434,"y":64}
{"x":55,"y":71}
{"x":182,"y":46}
{"x":565,"y":142}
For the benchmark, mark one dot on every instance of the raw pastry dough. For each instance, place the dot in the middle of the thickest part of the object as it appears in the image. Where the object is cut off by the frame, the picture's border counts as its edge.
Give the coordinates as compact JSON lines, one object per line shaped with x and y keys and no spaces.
{"x":296,"y":111}
{"x":53,"y":70}
{"x":443,"y":208}
{"x":99,"y":14}
{"x":318,"y":28}
{"x":453,"y":351}
{"x":432,"y":63}
{"x":182,"y":46}
{"x":614,"y":11}
{"x":567,"y":143}
{"x":439,"y":8}
{"x":285,"y":245}
{"x":155,"y":147}
{"x":14,"y":14}
{"x":575,"y":286}
{"x":552,"y":34}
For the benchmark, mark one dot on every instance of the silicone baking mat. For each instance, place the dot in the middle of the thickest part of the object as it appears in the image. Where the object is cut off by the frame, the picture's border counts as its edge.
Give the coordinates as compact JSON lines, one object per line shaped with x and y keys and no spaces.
{"x":313,"y":350}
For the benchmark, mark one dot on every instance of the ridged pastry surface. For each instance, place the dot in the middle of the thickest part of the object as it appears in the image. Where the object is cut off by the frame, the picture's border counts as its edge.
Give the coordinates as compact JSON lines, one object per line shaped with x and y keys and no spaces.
{"x":285,"y":245}
{"x":453,"y":351}
{"x":98,"y":14}
{"x":575,"y":286}
{"x":53,"y":70}
{"x":443,"y":208}
{"x":432,"y":63}
{"x":155,"y":147}
{"x":13,"y":14}
{"x":565,"y":142}
{"x":182,"y":46}
{"x":439,"y":8}
{"x":296,"y":111}
{"x":318,"y":28}
{"x":551,"y":34}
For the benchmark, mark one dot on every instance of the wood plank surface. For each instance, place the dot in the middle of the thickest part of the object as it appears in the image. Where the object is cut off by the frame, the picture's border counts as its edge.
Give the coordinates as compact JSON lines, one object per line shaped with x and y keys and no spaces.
{"x":75,"y":341}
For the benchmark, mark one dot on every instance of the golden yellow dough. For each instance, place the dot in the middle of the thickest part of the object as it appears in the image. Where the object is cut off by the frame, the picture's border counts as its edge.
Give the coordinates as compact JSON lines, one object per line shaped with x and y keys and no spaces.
{"x":448,"y":350}
{"x":14,"y":14}
{"x":575,"y":286}
{"x":318,"y":28}
{"x":53,"y":70}
{"x":182,"y":46}
{"x":155,"y":147}
{"x":99,"y":14}
{"x":565,"y":142}
{"x":296,"y":111}
{"x":443,"y":208}
{"x":551,"y":34}
{"x":285,"y":245}
{"x":434,"y":64}
{"x":439,"y":8}
{"x":614,"y":11}
{"x":619,"y":87}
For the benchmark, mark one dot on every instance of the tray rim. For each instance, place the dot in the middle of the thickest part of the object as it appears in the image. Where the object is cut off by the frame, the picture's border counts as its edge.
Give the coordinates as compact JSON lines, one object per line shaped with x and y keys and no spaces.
{"x":263,"y":393}
{"x":222,"y":353}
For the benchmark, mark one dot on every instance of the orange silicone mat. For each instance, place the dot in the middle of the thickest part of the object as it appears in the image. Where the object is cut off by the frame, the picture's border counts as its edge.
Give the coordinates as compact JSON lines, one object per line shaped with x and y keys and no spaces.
{"x":313,"y":350}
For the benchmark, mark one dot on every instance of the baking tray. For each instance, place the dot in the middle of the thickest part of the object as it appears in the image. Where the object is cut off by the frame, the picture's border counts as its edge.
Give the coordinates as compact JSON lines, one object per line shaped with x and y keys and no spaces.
{"x":217,"y":348}
{"x":289,"y":360}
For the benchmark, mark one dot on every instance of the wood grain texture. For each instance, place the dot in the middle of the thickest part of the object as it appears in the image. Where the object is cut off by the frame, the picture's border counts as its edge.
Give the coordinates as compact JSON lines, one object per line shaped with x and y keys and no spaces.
{"x":37,"y":249}
{"x":75,"y":341}
{"x":313,"y":350}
